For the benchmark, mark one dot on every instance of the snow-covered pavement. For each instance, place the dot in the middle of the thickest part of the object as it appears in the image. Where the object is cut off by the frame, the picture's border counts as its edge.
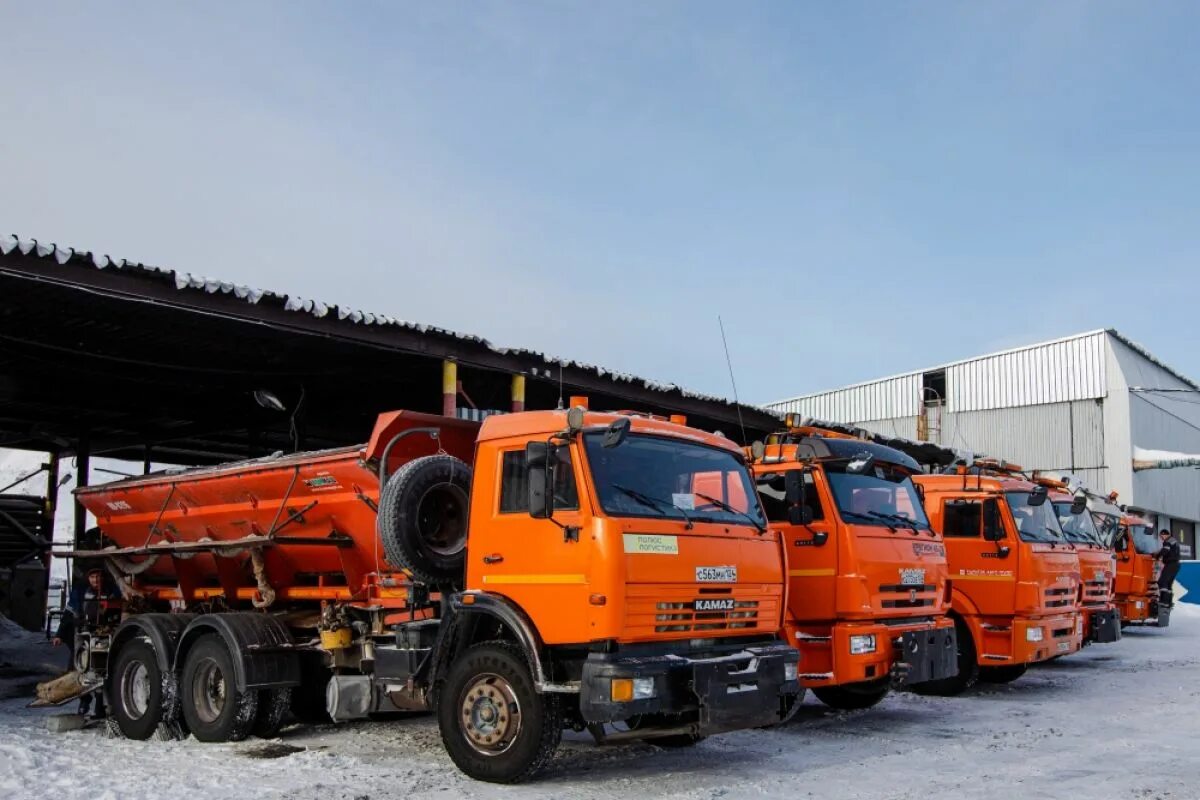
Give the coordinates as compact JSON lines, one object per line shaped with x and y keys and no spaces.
{"x":1116,"y":721}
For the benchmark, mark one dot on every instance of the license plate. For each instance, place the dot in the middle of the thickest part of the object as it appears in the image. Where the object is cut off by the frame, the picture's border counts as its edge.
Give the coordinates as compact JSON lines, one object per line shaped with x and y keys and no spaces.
{"x":912,"y":577}
{"x":1101,"y":576}
{"x":1064,"y":647}
{"x":716,"y":574}
{"x":713,"y":604}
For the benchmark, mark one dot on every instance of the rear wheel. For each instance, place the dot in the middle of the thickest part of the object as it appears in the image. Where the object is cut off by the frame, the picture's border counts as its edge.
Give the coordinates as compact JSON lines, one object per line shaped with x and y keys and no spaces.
{"x":494,"y":725}
{"x":135,"y":686}
{"x":1005,"y":674}
{"x":213,"y":707}
{"x":968,"y":668}
{"x":272,"y":707}
{"x":852,"y":696}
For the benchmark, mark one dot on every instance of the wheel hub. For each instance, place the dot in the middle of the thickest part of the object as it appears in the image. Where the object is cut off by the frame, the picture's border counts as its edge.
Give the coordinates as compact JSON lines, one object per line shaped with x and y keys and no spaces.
{"x":491,"y":715}
{"x":209,"y":690}
{"x":135,"y":689}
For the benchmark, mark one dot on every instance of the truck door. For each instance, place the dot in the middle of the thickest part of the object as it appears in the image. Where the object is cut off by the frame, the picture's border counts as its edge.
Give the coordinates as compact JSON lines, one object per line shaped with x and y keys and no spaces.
{"x":539,"y":564}
{"x":974,"y":533}
{"x":811,"y":549}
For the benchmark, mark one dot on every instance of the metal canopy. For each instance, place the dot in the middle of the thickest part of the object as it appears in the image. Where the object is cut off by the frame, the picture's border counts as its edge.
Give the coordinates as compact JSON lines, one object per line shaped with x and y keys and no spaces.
{"x":135,"y":362}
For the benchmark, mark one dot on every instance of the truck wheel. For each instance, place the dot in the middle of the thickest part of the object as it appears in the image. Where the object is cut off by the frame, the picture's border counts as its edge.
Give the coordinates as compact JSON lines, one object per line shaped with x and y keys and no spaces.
{"x":135,"y":686}
{"x":968,"y":668}
{"x":852,"y":696}
{"x":214,"y":709}
{"x":494,"y":725}
{"x":1005,"y":674}
{"x":273,"y":705}
{"x":422,"y":518}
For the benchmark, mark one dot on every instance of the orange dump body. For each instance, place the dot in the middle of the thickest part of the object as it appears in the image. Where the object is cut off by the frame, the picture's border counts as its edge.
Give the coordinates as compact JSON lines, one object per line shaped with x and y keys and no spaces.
{"x":312,"y":515}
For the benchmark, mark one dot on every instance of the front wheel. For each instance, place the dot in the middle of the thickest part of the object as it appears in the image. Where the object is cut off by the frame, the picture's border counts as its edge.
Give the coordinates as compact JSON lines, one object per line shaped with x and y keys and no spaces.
{"x":852,"y":696}
{"x":494,"y":725}
{"x":1005,"y":674}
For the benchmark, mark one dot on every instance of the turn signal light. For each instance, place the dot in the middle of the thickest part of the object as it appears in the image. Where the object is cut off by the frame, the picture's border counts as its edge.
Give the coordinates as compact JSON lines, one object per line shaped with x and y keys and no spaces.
{"x":597,"y":599}
{"x":622,"y":690}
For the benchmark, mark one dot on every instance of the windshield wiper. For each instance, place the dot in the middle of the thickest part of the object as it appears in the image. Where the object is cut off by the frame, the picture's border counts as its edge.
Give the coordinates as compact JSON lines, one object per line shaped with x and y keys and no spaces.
{"x":886,"y":522}
{"x":654,"y":503}
{"x":905,"y":522}
{"x":721,"y":504}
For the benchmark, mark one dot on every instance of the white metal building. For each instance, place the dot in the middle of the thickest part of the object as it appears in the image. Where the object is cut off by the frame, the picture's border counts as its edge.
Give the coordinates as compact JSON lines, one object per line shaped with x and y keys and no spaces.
{"x":1077,"y":405}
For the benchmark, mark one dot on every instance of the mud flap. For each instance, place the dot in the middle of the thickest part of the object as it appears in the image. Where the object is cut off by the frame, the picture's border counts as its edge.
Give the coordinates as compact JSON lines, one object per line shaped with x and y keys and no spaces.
{"x":930,"y":655}
{"x":1105,"y":627}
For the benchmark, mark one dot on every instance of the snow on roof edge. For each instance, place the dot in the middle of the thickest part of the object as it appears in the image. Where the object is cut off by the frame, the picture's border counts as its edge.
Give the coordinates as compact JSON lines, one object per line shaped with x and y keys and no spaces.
{"x":252,"y":296}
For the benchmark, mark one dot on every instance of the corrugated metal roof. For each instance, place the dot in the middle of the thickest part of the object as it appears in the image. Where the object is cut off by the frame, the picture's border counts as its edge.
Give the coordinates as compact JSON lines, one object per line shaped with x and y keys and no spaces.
{"x":1059,"y":370}
{"x":188,"y":282}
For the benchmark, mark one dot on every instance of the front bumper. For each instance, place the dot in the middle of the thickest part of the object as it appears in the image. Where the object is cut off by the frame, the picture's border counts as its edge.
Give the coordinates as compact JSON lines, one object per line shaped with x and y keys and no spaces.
{"x":1102,"y":626}
{"x":1062,"y":635}
{"x":905,"y":652}
{"x":723,"y":692}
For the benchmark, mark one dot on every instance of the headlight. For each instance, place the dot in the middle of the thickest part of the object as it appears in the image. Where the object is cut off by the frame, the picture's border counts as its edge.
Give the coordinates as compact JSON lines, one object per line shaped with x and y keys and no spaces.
{"x":862,"y":643}
{"x":1033,"y":634}
{"x":791,"y":671}
{"x":626,"y":689}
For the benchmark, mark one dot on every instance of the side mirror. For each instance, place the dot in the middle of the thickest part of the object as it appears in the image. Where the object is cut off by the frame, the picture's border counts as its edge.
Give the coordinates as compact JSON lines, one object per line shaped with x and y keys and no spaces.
{"x":616,"y":432}
{"x":801,"y":515}
{"x":757,"y":450}
{"x":860,"y":463}
{"x":539,"y":477}
{"x":1079,"y":504}
{"x":1038,"y":496}
{"x":793,"y":487}
{"x":993,"y":530}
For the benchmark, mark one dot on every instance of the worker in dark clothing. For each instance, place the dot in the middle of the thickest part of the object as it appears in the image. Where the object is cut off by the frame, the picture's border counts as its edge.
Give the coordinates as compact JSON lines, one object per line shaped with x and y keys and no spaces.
{"x":84,"y":610}
{"x":1169,"y":556}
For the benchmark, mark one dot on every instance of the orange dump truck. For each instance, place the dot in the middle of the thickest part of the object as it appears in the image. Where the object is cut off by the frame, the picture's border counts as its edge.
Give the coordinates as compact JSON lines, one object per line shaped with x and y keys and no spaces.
{"x":611,"y":573}
{"x":868,"y":590}
{"x":1097,"y":566}
{"x":1134,"y":545}
{"x":1015,"y":579}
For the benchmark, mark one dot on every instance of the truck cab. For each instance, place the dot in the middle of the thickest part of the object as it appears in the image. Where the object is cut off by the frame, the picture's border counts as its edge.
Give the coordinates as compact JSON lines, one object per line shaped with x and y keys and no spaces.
{"x":1015,"y":578}
{"x":867,"y":573}
{"x":1097,"y":565}
{"x":1134,"y":546}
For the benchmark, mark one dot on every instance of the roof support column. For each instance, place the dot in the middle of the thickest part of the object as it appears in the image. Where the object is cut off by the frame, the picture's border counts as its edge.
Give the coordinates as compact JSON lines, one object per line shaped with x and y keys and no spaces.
{"x":449,"y":389}
{"x":83,"y":469}
{"x":518,"y":393}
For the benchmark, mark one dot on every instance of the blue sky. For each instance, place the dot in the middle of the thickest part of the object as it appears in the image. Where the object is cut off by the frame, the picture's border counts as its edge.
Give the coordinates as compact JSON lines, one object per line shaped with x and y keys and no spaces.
{"x":858,"y":189}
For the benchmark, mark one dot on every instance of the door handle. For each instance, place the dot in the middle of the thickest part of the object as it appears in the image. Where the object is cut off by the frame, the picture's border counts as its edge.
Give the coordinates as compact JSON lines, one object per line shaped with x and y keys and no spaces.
{"x":494,"y":558}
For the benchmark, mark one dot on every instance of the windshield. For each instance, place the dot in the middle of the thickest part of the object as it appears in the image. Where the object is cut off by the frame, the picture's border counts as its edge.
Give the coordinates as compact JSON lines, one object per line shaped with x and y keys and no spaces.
{"x":883,"y":496}
{"x":1106,"y":526}
{"x":1034,"y":523}
{"x":1145,"y":541}
{"x":1078,"y":528}
{"x":647,"y":476}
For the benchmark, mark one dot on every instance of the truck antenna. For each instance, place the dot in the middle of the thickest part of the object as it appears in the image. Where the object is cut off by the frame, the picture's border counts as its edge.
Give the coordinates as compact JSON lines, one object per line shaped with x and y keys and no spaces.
{"x":729,"y":362}
{"x":560,"y":405}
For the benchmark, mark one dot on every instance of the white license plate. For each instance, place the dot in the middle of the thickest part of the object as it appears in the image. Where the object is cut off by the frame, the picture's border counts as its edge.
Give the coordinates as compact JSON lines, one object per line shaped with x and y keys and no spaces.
{"x":912,"y":577}
{"x":716,"y":574}
{"x":1064,"y":647}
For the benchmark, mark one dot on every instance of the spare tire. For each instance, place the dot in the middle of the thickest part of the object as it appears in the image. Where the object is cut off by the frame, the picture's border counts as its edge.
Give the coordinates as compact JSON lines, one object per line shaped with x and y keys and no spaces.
{"x":423,"y":518}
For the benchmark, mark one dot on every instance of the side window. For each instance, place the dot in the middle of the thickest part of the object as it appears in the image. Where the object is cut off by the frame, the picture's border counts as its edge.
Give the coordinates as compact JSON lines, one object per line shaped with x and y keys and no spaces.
{"x":514,"y":483}
{"x":962,"y":518}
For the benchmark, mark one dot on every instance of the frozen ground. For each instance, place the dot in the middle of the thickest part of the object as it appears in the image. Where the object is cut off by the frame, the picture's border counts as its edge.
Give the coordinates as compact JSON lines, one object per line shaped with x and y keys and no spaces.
{"x":1117,"y":721}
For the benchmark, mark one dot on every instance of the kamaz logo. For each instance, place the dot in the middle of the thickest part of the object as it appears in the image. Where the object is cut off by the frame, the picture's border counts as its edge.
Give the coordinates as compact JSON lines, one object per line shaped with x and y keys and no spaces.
{"x":714,"y":604}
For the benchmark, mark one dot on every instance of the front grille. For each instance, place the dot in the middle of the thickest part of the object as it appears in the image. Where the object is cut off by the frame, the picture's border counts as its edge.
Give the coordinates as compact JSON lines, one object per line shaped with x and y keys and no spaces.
{"x":1058,"y":598}
{"x":676,"y":617}
{"x":909,"y":600}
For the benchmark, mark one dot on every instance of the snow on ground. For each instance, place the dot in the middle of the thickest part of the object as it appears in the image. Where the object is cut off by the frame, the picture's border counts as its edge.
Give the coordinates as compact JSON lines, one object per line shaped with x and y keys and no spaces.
{"x":1115,"y":721}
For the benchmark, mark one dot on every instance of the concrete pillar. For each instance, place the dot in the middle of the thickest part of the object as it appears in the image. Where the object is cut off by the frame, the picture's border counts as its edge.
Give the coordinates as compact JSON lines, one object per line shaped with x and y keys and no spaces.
{"x":83,"y":461}
{"x":518,"y":393}
{"x":449,"y":389}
